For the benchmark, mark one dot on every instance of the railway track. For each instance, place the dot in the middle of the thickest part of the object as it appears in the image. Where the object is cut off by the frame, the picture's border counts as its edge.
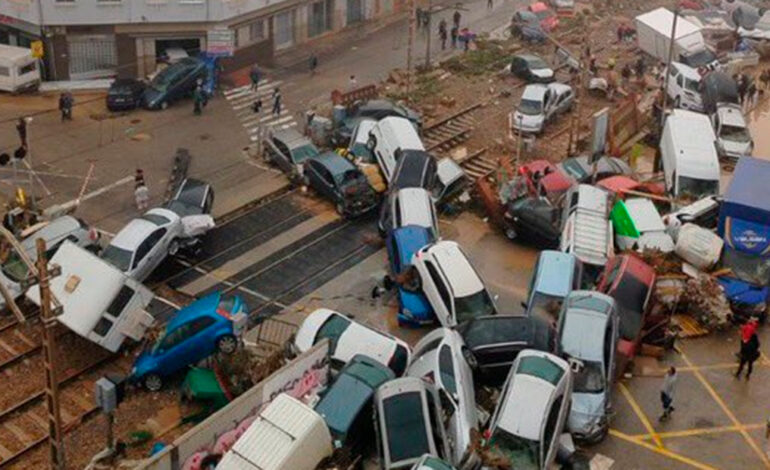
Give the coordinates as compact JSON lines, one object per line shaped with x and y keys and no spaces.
{"x":24,"y":425}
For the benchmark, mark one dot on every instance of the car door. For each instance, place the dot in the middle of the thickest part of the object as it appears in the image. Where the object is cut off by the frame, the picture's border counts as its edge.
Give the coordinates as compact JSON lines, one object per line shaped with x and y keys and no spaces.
{"x":328,"y":184}
{"x":282,"y":158}
{"x":548,"y":104}
{"x":153,"y":251}
{"x":313,"y":176}
{"x":438,"y":295}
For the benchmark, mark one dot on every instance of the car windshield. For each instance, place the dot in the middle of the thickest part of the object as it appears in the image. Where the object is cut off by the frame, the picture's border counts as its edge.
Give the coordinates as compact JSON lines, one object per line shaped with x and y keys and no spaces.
{"x":350,"y":178}
{"x":574,"y":169}
{"x":360,"y":150}
{"x":692,"y":85}
{"x":521,"y":452}
{"x":590,"y":379}
{"x":474,"y":305}
{"x":545,"y":306}
{"x":300,"y":154}
{"x":750,"y":268}
{"x":495,"y":330}
{"x":697,"y":187}
{"x":735,"y":133}
{"x":156,"y":219}
{"x":14,"y":268}
{"x":333,"y":329}
{"x":530,"y":107}
{"x":630,"y":295}
{"x":405,"y":426}
{"x":542,"y":368}
{"x":537,"y":63}
{"x":118,"y":257}
{"x":700,"y":58}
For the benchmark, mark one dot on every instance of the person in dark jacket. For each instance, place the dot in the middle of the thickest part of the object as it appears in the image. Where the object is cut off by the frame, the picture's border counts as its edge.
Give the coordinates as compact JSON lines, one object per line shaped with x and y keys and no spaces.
{"x":254,"y":75}
{"x":199,"y":100}
{"x":748,"y":354}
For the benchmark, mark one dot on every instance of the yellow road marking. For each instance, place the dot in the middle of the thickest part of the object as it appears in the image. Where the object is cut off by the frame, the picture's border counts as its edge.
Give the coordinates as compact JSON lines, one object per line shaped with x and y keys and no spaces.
{"x":640,"y":414}
{"x":662,"y":451}
{"x":700,"y":431}
{"x":729,"y":413}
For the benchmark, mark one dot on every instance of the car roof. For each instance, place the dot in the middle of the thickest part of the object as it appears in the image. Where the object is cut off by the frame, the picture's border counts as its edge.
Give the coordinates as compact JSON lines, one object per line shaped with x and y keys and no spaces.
{"x":526,"y":421}
{"x":695,"y":158}
{"x":362,"y":130}
{"x":409,"y":239}
{"x":644,"y":214}
{"x":731,"y":115}
{"x":334,"y":162}
{"x":582,"y":334}
{"x":687,"y":71}
{"x":201,"y":307}
{"x":58,"y":227}
{"x":559,"y":88}
{"x":555,"y":272}
{"x":133,"y":234}
{"x":291,"y":137}
{"x":411,"y":168}
{"x":637,"y":268}
{"x":535,"y":91}
{"x":459,"y":272}
{"x":415,"y":206}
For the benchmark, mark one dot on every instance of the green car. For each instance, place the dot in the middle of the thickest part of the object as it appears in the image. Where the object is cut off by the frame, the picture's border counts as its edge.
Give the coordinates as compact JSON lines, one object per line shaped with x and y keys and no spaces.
{"x":202,"y":386}
{"x":346,"y":405}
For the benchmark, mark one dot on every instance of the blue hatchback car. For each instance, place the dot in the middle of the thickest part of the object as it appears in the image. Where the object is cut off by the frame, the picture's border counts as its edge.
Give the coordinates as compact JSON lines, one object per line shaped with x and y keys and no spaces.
{"x":197,"y":331}
{"x":556,"y":274}
{"x":413,"y":307}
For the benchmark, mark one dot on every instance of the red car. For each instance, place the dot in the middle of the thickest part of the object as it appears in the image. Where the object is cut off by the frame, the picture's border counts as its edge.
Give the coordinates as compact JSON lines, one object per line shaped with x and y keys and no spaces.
{"x":630,"y":281}
{"x":620,"y":184}
{"x":543,"y":178}
{"x":548,"y":19}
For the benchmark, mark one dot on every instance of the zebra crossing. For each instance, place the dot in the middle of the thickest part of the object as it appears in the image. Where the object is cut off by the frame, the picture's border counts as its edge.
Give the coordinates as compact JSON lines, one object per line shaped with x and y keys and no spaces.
{"x":241,"y":100}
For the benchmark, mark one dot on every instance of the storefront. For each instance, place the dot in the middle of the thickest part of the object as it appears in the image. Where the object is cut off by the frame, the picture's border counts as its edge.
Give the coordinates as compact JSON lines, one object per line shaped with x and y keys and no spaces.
{"x":16,"y":32}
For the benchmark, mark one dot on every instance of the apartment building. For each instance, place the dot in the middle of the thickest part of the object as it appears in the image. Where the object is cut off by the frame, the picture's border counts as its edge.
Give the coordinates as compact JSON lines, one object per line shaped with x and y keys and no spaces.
{"x":97,"y":38}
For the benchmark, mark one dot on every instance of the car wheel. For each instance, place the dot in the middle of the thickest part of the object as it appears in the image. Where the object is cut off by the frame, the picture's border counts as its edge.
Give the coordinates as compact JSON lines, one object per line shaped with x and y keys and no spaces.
{"x":340,"y":208}
{"x":173,"y":247}
{"x":510,"y":233}
{"x":227,"y":344}
{"x":153,"y":382}
{"x":164,"y":105}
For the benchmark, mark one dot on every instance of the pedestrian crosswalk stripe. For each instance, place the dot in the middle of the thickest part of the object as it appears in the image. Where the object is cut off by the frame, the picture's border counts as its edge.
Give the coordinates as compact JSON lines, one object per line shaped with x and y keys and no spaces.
{"x":264,"y":116}
{"x":243,"y":97}
{"x":262,"y":83}
{"x":291,"y":124}
{"x":266,"y":87}
{"x":251,"y":96}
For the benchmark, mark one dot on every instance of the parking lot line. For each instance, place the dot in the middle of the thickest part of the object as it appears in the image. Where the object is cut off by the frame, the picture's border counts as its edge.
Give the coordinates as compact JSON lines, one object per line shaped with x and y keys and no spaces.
{"x":727,"y":411}
{"x":701,"y":431}
{"x":662,"y":451}
{"x":640,"y":414}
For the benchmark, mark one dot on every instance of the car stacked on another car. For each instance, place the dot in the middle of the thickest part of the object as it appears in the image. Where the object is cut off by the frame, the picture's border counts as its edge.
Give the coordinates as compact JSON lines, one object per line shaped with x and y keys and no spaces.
{"x":583,"y":169}
{"x":176,"y":81}
{"x":371,"y":110}
{"x":338,"y":180}
{"x":587,"y":336}
{"x":349,"y":338}
{"x":402,"y":244}
{"x":556,"y":274}
{"x":193,"y":197}
{"x":288,"y":150}
{"x":408,"y":206}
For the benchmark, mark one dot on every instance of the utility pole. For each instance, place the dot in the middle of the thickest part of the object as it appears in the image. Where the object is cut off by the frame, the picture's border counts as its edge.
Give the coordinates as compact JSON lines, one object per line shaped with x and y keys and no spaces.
{"x":429,"y":32}
{"x":410,"y":42}
{"x":56,"y":446}
{"x":574,"y":125}
{"x":671,"y":44}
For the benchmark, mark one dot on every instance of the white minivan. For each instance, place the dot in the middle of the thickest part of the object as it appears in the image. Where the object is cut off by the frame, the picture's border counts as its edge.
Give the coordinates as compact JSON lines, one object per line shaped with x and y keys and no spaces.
{"x":18,"y":69}
{"x":684,"y":87}
{"x":733,"y":136}
{"x":689,"y":155}
{"x":388,"y":138}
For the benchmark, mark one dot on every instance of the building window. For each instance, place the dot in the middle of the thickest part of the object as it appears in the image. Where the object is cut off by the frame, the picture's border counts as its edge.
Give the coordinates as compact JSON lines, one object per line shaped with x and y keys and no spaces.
{"x":257,"y":31}
{"x":320,"y":17}
{"x":5,"y":71}
{"x":283,"y":25}
{"x":65,"y":1}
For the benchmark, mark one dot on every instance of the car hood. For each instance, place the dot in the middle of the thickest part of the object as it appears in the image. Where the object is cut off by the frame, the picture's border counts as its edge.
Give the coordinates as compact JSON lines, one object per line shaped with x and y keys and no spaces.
{"x":151,"y":95}
{"x":586,"y":412}
{"x":542,"y":73}
{"x":527,"y":121}
{"x":143,"y":363}
{"x":416,"y":303}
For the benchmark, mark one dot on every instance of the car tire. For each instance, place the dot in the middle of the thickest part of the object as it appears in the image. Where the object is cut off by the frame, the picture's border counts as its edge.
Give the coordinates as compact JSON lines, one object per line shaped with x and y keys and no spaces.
{"x":340,"y":208}
{"x":164,"y":105}
{"x":510,"y":233}
{"x":153,"y":382}
{"x":227,"y":344}
{"x":173,"y":247}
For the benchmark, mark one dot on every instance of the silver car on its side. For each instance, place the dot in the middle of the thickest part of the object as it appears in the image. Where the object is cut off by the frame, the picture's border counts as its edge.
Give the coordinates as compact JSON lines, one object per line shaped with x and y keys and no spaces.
{"x":407,"y":419}
{"x":587,"y":336}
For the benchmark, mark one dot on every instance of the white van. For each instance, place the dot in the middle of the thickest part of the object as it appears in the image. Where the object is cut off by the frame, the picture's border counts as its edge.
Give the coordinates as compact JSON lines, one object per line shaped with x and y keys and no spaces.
{"x":689,"y":154}
{"x":388,"y":138}
{"x":684,"y":87}
{"x":586,"y":229}
{"x":99,"y":302}
{"x":286,"y":435}
{"x":18,"y":69}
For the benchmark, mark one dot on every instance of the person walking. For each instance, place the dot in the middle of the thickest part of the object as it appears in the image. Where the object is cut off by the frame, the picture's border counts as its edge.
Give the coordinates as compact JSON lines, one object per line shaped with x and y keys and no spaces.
{"x":65,"y":105}
{"x":21,"y":128}
{"x":352,"y":83}
{"x":199,"y":98}
{"x":142,"y":196}
{"x":667,"y":393}
{"x":751,"y":93}
{"x":256,"y":107}
{"x":743,"y":87}
{"x":313,"y":63}
{"x":138,"y":177}
{"x":748,"y":354}
{"x":490,"y":4}
{"x":255,"y":76}
{"x":276,"y":101}
{"x":454,"y":34}
{"x":456,"y":19}
{"x":442,"y":33}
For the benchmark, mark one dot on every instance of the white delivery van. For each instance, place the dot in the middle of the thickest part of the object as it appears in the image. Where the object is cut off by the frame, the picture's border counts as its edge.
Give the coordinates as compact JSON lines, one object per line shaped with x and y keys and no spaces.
{"x":684,"y":87}
{"x":653,"y":33}
{"x":388,"y":138}
{"x":18,"y":69}
{"x":98,"y":301}
{"x":286,"y":435}
{"x":689,"y":155}
{"x":586,"y":229}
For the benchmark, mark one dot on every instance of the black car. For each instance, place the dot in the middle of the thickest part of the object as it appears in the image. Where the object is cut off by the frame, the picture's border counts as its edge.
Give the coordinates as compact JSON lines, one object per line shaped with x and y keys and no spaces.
{"x":414,"y":169}
{"x":176,"y":81}
{"x":372,"y":109}
{"x":496,"y":340}
{"x":124,"y":94}
{"x":340,"y":181}
{"x":288,"y":149}
{"x":532,"y":68}
{"x":194,"y":197}
{"x":526,"y":25}
{"x":533,"y":219}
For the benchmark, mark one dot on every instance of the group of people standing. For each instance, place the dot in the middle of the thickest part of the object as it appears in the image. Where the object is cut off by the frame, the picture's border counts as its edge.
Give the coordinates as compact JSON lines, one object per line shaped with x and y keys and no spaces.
{"x":256,"y":76}
{"x":455,"y":33}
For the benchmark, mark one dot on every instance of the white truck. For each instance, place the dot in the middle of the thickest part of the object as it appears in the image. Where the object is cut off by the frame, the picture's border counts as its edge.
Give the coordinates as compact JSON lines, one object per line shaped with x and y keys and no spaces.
{"x":653,"y":35}
{"x":19,"y":71}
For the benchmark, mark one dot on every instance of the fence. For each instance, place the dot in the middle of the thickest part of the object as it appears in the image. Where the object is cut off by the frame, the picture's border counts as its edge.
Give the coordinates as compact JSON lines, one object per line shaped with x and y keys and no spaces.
{"x":305,"y":374}
{"x":346,"y":99}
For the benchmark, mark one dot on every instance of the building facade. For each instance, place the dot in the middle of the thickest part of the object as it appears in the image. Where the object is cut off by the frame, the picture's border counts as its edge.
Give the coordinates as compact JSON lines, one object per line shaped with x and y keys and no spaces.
{"x":96,"y":38}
